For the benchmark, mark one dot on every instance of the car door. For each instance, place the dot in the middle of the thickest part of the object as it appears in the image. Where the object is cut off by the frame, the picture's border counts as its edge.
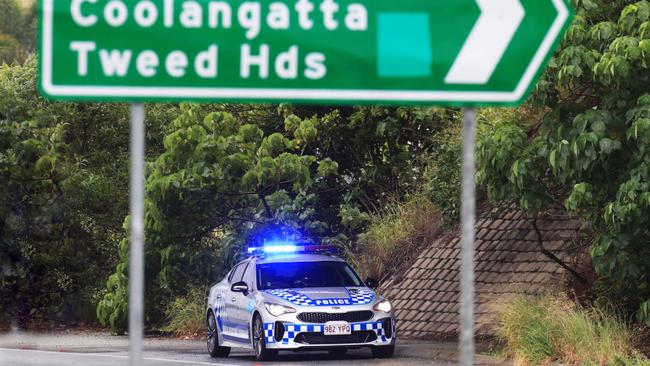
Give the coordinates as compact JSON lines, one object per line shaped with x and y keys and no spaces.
{"x":244,"y":304}
{"x":230,"y":325}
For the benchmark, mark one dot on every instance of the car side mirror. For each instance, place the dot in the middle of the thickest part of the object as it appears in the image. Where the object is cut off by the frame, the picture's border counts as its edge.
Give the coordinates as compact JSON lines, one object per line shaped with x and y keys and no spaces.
{"x":372,"y":283}
{"x":240,"y":286}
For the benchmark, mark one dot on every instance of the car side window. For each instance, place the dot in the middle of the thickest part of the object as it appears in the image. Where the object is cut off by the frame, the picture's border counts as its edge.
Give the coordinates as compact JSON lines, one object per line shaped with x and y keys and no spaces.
{"x":236,"y":273}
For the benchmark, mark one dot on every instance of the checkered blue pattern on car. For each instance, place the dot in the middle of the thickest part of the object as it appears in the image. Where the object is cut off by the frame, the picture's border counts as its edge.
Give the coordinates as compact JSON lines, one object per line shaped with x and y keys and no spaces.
{"x":358,"y":296}
{"x":219,"y":308}
{"x":268,"y":333}
{"x":292,"y":330}
{"x":292,"y":296}
{"x":361,"y":295}
{"x":378,"y":327}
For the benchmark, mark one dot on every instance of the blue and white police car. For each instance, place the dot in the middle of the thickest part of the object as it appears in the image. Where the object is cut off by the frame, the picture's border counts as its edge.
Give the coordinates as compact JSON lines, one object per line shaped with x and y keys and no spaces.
{"x":290,"y":297}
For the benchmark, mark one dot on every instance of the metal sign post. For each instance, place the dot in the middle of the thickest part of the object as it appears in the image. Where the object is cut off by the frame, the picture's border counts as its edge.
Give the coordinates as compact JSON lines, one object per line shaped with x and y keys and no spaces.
{"x":136,"y":253}
{"x":468,"y":217}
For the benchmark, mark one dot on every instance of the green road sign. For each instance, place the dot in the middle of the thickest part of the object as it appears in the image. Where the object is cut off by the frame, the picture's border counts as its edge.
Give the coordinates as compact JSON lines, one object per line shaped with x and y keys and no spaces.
{"x":464,"y":52}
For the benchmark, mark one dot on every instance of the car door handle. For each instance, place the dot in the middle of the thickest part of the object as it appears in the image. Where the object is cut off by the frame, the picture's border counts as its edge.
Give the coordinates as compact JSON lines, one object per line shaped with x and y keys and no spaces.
{"x":218,"y":296}
{"x":233,"y":299}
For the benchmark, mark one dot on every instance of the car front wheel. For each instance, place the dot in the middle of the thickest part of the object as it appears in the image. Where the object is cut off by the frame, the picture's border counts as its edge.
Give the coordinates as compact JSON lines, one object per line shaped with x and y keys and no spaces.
{"x":259,"y":341}
{"x":214,"y":348}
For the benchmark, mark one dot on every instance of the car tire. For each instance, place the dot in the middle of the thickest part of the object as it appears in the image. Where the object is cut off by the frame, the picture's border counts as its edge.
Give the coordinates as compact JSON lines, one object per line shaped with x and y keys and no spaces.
{"x":259,"y":341}
{"x":214,"y":349}
{"x":383,"y":351}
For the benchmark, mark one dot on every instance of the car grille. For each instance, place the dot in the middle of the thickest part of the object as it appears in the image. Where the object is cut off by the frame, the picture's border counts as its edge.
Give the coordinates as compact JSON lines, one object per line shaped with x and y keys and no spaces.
{"x":363,"y":336}
{"x":350,"y":317}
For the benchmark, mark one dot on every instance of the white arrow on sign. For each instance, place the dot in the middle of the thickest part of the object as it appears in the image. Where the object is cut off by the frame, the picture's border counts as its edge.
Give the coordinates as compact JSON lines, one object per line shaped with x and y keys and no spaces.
{"x":487,"y":42}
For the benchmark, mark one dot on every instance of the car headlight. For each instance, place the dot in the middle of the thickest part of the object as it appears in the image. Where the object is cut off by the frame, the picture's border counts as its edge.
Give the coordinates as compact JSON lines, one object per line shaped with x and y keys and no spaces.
{"x":383,"y":305}
{"x":277,"y":310}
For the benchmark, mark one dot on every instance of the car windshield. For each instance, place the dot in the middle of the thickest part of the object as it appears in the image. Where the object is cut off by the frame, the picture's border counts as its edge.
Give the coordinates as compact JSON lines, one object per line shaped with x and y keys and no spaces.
{"x":305,"y":274}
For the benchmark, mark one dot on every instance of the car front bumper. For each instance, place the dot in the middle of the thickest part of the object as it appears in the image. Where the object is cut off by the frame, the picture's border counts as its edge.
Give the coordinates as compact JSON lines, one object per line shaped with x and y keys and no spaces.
{"x":295,"y":335}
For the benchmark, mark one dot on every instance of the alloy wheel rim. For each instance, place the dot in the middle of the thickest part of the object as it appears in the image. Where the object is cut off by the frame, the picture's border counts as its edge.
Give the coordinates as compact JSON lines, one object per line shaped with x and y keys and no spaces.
{"x":257,"y":336}
{"x":212,"y":333}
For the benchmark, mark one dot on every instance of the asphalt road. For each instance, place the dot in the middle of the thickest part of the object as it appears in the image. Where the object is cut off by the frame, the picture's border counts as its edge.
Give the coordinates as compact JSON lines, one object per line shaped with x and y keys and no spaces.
{"x":16,"y":357}
{"x":97,"y":349}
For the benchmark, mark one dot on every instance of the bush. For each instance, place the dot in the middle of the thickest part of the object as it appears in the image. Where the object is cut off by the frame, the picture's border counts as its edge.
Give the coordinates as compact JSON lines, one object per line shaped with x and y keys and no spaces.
{"x":17,"y":31}
{"x":186,"y":314}
{"x":395,"y":234}
{"x":10,"y":49}
{"x":540,"y":330}
{"x":443,"y":173}
{"x":11,"y":17}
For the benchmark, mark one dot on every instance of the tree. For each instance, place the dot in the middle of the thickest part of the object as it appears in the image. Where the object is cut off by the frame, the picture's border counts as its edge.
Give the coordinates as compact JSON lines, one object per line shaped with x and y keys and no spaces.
{"x":17,"y":32}
{"x":591,"y":152}
{"x":230,"y":174}
{"x":64,"y":173}
{"x":216,"y":173}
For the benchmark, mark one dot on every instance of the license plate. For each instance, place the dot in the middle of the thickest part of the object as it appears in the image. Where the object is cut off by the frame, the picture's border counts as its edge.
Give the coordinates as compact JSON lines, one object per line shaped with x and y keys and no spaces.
{"x":337,"y":329}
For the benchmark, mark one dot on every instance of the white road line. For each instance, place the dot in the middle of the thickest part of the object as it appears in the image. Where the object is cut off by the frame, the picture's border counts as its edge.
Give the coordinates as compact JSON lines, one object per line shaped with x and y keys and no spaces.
{"x":124,"y":357}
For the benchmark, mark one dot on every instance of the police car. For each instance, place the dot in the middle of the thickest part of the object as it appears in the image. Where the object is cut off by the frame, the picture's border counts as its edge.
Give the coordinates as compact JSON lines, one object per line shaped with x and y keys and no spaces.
{"x":289,"y":297}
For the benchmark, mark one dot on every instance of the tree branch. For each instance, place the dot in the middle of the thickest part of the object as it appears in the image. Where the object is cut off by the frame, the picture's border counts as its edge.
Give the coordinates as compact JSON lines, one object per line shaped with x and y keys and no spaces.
{"x":552,"y":256}
{"x":267,"y":208}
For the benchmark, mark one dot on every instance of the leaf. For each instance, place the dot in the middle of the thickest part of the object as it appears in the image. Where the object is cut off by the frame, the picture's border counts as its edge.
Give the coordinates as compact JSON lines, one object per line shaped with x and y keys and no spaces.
{"x":381,"y":128}
{"x":643,"y":313}
{"x":606,"y":146}
{"x":552,"y":159}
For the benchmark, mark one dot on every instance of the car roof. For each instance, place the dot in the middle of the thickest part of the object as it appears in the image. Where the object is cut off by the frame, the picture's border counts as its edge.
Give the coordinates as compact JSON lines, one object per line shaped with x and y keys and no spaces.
{"x":296,"y":257}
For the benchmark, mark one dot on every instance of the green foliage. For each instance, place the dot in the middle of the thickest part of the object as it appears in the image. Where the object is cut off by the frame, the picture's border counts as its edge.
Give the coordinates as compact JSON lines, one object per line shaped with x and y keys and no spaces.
{"x":443,"y":173}
{"x":17,"y":32}
{"x":396,"y":232}
{"x":228,"y":173}
{"x":590,"y":153}
{"x":10,"y":48}
{"x":64,"y":173}
{"x":217,"y":174}
{"x":186,"y":314}
{"x":10,"y":17}
{"x":540,"y":330}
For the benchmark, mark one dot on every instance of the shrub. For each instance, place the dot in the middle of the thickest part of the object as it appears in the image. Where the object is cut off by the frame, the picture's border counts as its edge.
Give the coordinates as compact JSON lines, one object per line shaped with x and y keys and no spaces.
{"x":540,"y":330}
{"x":395,"y":234}
{"x":186,"y":314}
{"x":10,"y":49}
{"x":443,"y":173}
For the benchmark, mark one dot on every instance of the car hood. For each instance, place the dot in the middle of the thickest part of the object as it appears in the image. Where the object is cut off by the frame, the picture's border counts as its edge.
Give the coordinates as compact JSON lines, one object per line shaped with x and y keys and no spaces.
{"x":324,"y":296}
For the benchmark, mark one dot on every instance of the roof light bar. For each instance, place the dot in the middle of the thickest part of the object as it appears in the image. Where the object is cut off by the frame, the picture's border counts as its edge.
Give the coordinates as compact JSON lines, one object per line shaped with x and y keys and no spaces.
{"x":283,"y":247}
{"x":287,"y":248}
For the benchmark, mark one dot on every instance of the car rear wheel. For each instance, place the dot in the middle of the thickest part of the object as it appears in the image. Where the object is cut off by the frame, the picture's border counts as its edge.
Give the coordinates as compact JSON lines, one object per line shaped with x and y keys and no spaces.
{"x":383,"y":351}
{"x":259,"y":341}
{"x":214,"y":348}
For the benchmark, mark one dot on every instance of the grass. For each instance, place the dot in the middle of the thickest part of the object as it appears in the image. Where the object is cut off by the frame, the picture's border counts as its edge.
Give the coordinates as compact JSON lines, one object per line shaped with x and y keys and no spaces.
{"x":393,"y":235}
{"x":541,"y":330}
{"x":186,"y":315}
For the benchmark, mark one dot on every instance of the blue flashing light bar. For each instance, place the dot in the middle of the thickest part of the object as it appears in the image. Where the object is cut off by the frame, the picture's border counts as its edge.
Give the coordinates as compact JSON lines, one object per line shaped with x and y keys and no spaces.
{"x":280,"y":248}
{"x":289,"y":247}
{"x":276,"y":247}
